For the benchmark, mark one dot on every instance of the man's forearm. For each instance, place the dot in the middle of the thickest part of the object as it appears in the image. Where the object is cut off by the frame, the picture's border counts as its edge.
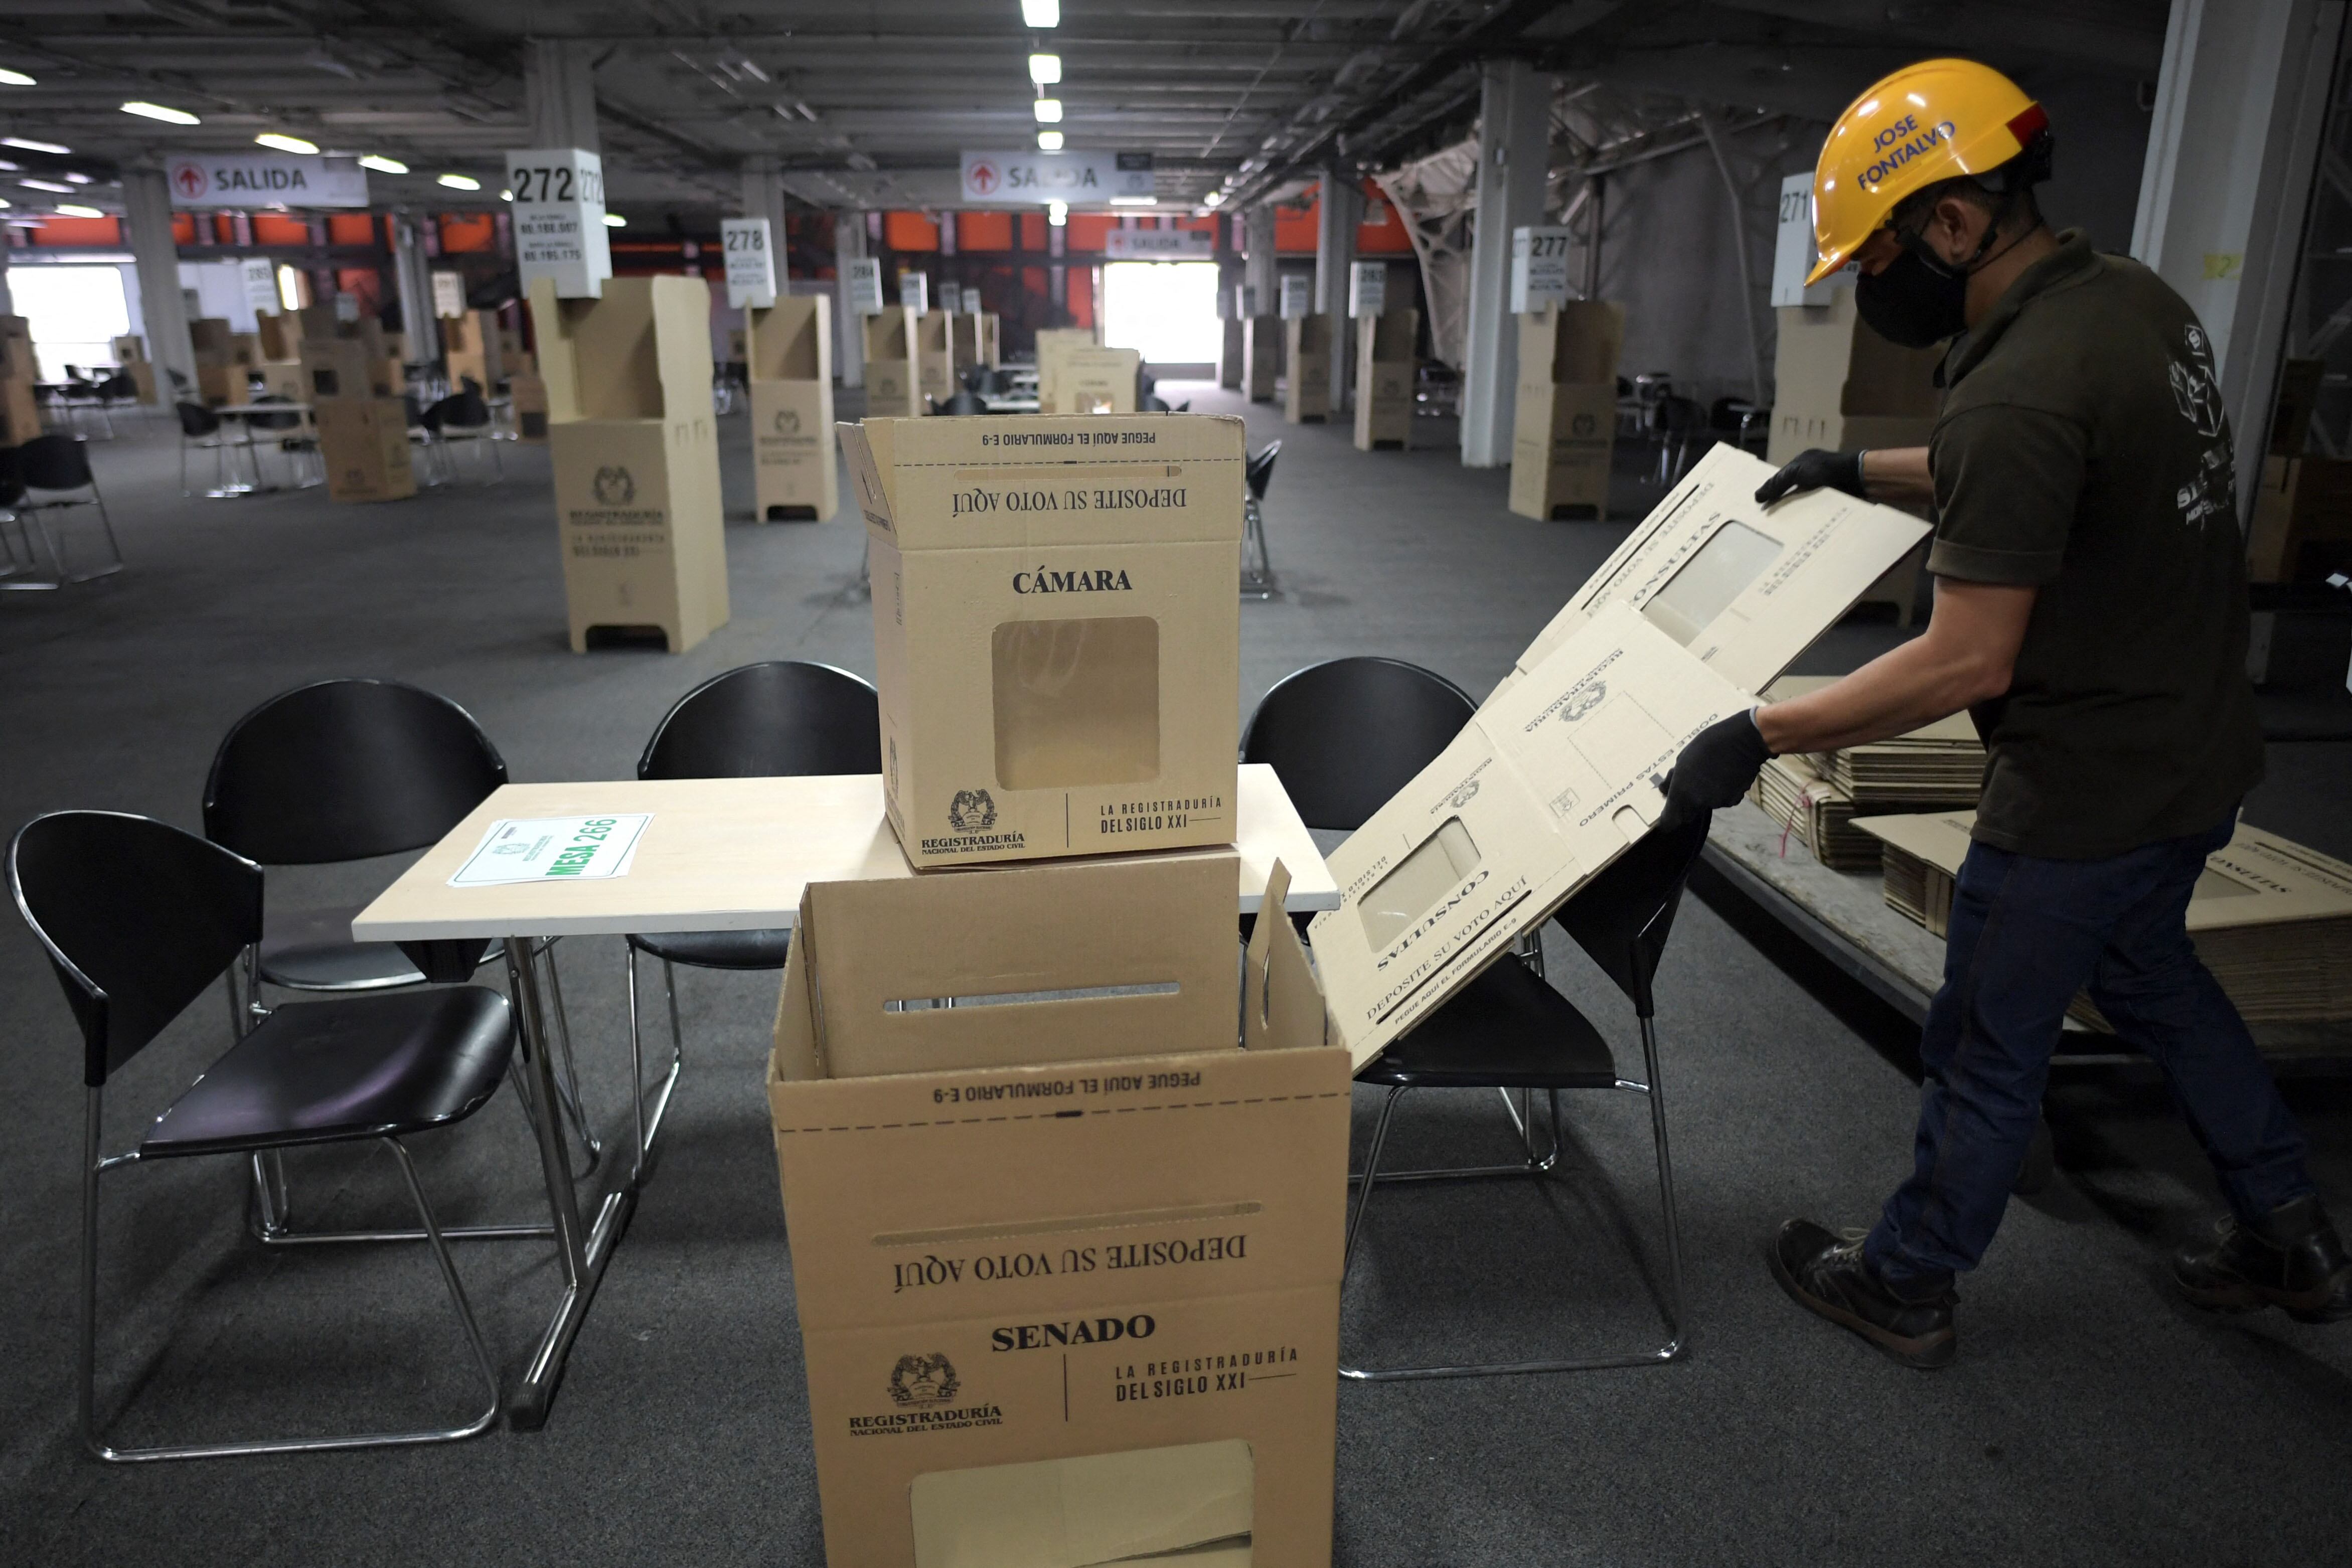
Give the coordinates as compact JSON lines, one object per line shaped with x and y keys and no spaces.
{"x":1897,"y":474}
{"x":1892,"y":695}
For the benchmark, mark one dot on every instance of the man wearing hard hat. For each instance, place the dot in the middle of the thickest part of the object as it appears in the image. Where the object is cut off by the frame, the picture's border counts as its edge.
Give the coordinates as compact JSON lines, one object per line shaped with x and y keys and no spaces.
{"x":2091,"y":615}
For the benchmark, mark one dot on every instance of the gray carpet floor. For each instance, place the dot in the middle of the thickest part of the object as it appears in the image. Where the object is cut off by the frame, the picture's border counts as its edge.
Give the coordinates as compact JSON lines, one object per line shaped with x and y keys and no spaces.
{"x":2089,"y":1418}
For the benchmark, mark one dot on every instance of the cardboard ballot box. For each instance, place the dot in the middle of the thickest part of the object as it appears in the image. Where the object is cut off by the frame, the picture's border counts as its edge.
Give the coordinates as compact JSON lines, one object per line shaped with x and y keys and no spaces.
{"x":893,"y":379}
{"x":636,"y":463}
{"x":1052,"y":342}
{"x":1096,"y":380}
{"x":284,"y":378}
{"x":1306,"y":350}
{"x":790,"y":362}
{"x":279,"y":337}
{"x":1261,"y":356}
{"x":1056,"y":637}
{"x":1067,"y":1264}
{"x":212,"y":340}
{"x":346,"y":367}
{"x":1384,"y":376}
{"x":1564,"y":424}
{"x":935,"y":357}
{"x":364,"y":445}
{"x":1705,"y":601}
{"x":1840,"y":386}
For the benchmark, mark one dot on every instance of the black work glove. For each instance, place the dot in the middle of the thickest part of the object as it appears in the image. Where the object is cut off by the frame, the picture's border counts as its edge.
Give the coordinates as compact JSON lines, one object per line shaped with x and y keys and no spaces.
{"x":1715,"y":770}
{"x":1814,"y":470}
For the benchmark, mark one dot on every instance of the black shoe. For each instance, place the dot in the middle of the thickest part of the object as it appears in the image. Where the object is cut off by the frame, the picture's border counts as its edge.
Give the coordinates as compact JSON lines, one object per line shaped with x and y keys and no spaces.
{"x":2291,"y":1258}
{"x":1826,"y":1273}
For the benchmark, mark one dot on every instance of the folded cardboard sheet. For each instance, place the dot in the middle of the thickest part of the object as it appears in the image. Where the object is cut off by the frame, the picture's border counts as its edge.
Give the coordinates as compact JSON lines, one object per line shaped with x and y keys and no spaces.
{"x":1813,"y":813}
{"x":1936,"y":767}
{"x":1745,"y":588}
{"x":2272,"y":919}
{"x":1550,"y":782}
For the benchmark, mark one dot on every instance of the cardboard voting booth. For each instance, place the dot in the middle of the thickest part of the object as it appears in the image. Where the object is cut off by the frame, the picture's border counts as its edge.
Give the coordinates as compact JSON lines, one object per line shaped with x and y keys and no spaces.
{"x":1052,"y":342}
{"x":1840,"y":386}
{"x":1384,"y":378}
{"x":1066,"y":1260}
{"x":636,"y":463}
{"x":1705,"y":602}
{"x":1307,"y":345}
{"x":1230,"y":356}
{"x":788,"y":350}
{"x":974,"y":337}
{"x":364,"y":447}
{"x":1564,"y":428}
{"x":1096,"y":380}
{"x":471,"y":346}
{"x":935,"y":357}
{"x":1261,"y":356}
{"x":1056,"y":637}
{"x":894,"y":387}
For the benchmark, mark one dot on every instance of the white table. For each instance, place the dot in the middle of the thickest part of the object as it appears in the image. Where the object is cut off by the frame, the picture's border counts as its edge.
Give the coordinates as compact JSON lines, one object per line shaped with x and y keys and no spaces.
{"x":719,"y":855}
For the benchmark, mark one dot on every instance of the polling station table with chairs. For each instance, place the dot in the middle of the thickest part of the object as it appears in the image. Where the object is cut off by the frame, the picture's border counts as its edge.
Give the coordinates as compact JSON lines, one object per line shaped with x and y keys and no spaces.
{"x":1049,"y":1042}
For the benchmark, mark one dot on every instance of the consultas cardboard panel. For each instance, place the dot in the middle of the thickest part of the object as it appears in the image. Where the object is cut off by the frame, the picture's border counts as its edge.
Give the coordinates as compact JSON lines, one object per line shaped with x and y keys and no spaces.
{"x":1056,"y":630}
{"x":1071,"y":1310}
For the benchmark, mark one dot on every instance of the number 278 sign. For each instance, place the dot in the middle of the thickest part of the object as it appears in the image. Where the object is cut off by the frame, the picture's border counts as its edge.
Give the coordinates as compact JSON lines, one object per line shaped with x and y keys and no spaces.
{"x":559,"y":219}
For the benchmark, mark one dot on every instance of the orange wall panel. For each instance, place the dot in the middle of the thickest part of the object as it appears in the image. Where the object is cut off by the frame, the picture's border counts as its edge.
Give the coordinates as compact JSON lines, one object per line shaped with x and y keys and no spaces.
{"x":346,"y":229}
{"x":1088,"y":231}
{"x":985,"y":231}
{"x":910,"y":231}
{"x":277,"y":228}
{"x":78,"y":231}
{"x":1032,"y":232}
{"x":464,"y":232}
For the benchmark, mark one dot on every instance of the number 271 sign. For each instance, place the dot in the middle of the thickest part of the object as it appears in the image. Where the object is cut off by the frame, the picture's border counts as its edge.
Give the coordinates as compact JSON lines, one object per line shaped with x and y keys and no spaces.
{"x":559,"y":219}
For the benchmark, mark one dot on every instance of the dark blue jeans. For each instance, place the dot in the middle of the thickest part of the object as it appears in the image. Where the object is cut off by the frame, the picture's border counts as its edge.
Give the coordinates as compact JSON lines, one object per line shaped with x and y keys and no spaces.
{"x":2026,"y":934}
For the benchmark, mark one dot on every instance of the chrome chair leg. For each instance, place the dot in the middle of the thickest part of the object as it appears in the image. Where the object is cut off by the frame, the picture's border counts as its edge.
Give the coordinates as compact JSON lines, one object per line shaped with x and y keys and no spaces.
{"x":648,"y":1125}
{"x":87,"y":1381}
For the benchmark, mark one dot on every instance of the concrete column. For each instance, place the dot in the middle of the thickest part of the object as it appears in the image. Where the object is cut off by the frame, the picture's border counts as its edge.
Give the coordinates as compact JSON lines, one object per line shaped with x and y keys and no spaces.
{"x":414,"y":279}
{"x":560,"y":92}
{"x":849,"y":327}
{"x":764,"y":196}
{"x":147,"y":214}
{"x":1515,"y":125}
{"x":1340,"y":213}
{"x":2241,"y":105}
{"x":1258,"y":269}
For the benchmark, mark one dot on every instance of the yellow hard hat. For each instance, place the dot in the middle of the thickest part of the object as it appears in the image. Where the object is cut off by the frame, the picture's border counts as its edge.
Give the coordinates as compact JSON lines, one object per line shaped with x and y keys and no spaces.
{"x":1928,"y":122}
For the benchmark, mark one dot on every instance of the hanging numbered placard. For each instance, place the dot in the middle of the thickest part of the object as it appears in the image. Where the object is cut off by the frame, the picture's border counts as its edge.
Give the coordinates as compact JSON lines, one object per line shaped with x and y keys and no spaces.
{"x":559,"y":220}
{"x":751,"y":262}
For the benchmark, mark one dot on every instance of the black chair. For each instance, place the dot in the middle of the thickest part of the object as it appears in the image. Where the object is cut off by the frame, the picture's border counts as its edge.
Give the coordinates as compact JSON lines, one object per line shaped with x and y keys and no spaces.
{"x":1152,"y":403}
{"x":310,"y":469}
{"x":20,"y":558}
{"x":205,"y":431}
{"x":1257,"y":568}
{"x":463,"y":416}
{"x":138,"y":919}
{"x":782,"y":719}
{"x":1732,"y":419}
{"x":59,"y":465}
{"x":964,"y":402}
{"x":1672,"y":420}
{"x":1345,"y":735}
{"x":1510,"y":1030}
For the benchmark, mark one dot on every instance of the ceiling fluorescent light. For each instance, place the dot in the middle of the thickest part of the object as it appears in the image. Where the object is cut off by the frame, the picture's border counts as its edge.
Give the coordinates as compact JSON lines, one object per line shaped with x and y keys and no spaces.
{"x":74,"y":179}
{"x":460,"y":181}
{"x":1212,"y":198}
{"x":68,"y":209}
{"x":285,"y":143}
{"x":1057,"y":213}
{"x":383,"y":165}
{"x":1135,"y":200}
{"x":1048,"y":110}
{"x":47,"y":185}
{"x":31,"y":146}
{"x":615,"y":220}
{"x":1049,"y":141}
{"x":15,"y":79}
{"x":1041,"y":12}
{"x":163,"y":112}
{"x":1044,"y":69}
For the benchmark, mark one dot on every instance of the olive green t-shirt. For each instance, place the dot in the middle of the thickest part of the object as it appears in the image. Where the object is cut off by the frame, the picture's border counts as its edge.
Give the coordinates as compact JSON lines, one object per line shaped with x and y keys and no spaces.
{"x":2082,"y":449}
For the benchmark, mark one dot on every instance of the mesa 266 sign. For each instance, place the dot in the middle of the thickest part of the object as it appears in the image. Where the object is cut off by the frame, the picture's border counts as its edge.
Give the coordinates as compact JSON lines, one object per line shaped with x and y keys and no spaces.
{"x":266,"y":182}
{"x":1013,"y":179}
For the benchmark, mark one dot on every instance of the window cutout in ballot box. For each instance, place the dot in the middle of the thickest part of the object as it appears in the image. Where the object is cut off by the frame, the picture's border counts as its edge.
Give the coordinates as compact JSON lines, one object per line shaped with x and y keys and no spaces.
{"x":1076,"y":702}
{"x":1709,"y":581}
{"x":1433,"y":869}
{"x":1191,"y":1506}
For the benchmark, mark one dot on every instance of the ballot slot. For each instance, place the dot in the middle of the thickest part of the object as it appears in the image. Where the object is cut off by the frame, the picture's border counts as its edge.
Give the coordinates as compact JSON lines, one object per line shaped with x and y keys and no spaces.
{"x":1191,"y":1504}
{"x":1734,"y":556}
{"x":1027,"y":998}
{"x":1435,"y":867}
{"x":1076,"y":702}
{"x":1182,"y":1213}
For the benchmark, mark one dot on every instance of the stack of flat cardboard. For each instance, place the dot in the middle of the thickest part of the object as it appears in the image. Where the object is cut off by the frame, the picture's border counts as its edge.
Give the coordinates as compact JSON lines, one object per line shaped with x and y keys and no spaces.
{"x":635,"y":451}
{"x":1307,"y":345}
{"x":1710,"y":598}
{"x":1384,"y":378}
{"x":2272,"y":919}
{"x":1938,"y":766}
{"x":1564,"y":427}
{"x":1090,"y":1331}
{"x":788,"y":350}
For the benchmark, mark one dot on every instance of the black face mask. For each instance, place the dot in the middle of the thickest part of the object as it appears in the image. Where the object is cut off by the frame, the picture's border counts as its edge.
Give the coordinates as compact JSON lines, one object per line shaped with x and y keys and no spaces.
{"x":1916,"y":299}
